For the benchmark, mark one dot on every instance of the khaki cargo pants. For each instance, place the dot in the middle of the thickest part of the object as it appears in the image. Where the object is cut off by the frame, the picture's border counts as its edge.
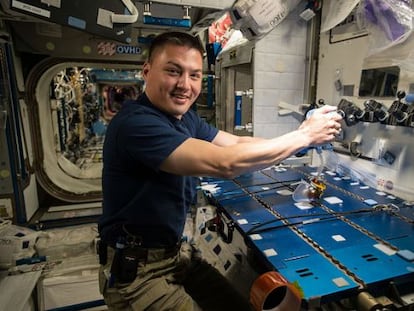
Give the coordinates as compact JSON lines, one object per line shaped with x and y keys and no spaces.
{"x":180,"y":283}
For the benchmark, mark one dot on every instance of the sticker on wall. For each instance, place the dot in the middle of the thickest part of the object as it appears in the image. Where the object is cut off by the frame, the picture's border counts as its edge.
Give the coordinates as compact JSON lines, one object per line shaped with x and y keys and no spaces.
{"x":106,"y":48}
{"x":128,"y":49}
{"x":32,"y":9}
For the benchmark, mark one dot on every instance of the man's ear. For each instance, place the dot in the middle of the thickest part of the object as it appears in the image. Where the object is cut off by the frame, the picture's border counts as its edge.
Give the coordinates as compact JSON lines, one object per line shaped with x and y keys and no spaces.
{"x":145,"y":69}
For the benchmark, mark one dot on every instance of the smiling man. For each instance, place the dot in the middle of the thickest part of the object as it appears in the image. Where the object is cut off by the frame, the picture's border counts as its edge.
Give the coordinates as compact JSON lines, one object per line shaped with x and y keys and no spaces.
{"x":173,"y":75}
{"x":154,"y":148}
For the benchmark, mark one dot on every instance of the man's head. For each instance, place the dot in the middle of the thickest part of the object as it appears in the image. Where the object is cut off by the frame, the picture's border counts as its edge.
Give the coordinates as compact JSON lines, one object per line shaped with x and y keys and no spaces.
{"x":176,"y":38}
{"x":173,"y":72}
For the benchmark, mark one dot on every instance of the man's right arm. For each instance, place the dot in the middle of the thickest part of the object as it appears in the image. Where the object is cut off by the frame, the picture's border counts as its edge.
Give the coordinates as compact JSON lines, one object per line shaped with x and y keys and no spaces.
{"x":228,"y":155}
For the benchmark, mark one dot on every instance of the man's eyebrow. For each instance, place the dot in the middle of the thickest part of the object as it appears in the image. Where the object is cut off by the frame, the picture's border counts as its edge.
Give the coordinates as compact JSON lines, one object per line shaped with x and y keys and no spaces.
{"x":179,"y":66}
{"x":173,"y":63}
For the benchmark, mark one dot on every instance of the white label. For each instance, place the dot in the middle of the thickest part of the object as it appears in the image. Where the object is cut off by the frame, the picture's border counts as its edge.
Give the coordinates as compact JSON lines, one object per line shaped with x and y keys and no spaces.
{"x":256,"y":237}
{"x":268,"y":13}
{"x":385,"y":249}
{"x":284,"y":192}
{"x":270,"y":252}
{"x":30,"y":8}
{"x":303,"y":205}
{"x":338,"y":238}
{"x":333,"y":200}
{"x":340,"y":282}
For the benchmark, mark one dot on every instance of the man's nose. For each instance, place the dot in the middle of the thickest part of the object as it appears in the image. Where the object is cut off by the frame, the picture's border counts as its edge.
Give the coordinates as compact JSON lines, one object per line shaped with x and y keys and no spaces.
{"x":183,"y":81}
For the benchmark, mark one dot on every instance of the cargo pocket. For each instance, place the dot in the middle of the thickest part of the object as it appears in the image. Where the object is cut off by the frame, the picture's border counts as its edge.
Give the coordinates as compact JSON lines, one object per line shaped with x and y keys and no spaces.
{"x":149,"y":292}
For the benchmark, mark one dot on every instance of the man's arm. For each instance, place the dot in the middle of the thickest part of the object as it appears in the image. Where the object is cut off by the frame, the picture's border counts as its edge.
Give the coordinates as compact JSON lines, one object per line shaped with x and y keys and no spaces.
{"x":224,"y":139}
{"x":229,"y":155}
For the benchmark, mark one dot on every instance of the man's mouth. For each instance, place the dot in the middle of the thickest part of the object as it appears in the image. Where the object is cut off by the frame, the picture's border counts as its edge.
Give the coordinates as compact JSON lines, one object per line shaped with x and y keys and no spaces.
{"x":180,"y":96}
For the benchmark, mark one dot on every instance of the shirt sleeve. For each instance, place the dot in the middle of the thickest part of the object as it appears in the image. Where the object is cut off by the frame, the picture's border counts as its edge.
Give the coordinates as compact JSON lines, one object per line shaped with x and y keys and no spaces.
{"x":149,"y":139}
{"x":202,"y":129}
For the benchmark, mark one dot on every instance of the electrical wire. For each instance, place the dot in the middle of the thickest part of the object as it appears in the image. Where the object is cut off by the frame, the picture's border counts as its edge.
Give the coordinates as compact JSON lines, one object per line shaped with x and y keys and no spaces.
{"x":329,"y":216}
{"x":280,"y":184}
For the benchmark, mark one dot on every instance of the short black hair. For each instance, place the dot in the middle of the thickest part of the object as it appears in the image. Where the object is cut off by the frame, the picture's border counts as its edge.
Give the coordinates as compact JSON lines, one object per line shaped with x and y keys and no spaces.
{"x":177,"y":38}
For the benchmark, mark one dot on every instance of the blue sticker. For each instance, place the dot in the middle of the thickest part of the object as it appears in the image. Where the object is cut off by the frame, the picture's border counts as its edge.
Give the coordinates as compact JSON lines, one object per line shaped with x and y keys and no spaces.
{"x":76,"y":22}
{"x":406,"y":254}
{"x":370,"y":202}
{"x":128,"y":49}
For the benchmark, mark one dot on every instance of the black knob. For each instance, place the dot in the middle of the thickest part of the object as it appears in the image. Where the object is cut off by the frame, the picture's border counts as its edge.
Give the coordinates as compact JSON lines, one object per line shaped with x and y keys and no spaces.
{"x":400,"y":94}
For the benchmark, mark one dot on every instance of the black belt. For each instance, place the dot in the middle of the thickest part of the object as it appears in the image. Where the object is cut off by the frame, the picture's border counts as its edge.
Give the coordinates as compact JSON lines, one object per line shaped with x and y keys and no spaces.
{"x":130,"y":234}
{"x":142,"y":254}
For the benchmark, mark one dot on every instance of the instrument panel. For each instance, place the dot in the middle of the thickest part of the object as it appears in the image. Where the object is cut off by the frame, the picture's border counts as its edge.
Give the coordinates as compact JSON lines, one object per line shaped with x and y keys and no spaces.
{"x":353,"y":239}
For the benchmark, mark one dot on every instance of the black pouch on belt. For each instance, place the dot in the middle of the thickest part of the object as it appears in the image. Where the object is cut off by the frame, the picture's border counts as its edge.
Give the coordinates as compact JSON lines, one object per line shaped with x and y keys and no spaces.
{"x":125,"y":265}
{"x":102,"y":250}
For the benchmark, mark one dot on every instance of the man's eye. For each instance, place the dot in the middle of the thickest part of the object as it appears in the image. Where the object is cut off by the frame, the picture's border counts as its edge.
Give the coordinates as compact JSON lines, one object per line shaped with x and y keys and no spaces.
{"x":196,"y":76}
{"x":173,"y":71}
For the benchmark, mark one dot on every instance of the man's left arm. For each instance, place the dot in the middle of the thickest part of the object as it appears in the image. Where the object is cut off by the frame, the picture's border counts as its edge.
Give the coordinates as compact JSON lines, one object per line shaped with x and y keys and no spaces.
{"x":224,"y":139}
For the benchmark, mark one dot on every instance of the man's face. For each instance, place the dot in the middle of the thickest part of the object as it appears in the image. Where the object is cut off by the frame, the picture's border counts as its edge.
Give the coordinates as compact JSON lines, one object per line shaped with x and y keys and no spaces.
{"x":173,"y":78}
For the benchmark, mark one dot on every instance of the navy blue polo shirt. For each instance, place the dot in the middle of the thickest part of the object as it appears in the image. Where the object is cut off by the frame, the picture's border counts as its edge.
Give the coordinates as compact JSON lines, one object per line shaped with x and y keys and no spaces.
{"x":136,"y":193}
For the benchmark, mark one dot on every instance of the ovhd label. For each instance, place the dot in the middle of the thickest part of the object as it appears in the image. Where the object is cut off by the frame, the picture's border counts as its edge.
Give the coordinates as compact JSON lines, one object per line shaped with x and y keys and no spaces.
{"x":128,"y":49}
